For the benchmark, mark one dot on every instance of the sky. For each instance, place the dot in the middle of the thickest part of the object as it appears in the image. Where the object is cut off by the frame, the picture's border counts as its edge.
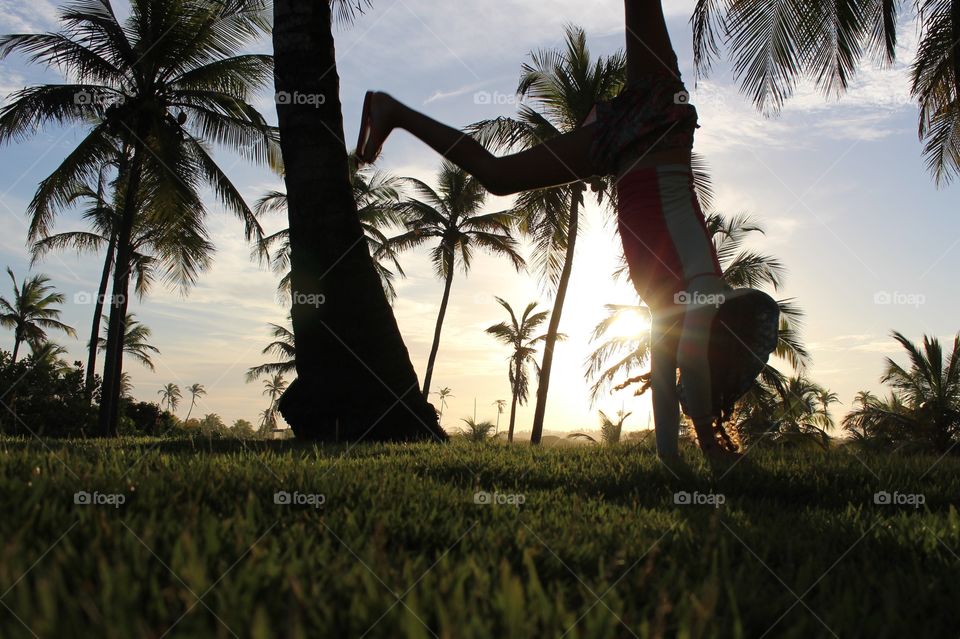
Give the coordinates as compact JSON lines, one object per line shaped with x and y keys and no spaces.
{"x":869,"y":242}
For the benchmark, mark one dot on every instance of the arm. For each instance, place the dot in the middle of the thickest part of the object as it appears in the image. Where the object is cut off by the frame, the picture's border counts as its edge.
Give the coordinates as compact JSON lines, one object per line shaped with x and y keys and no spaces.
{"x":561,"y":160}
{"x":648,"y":42}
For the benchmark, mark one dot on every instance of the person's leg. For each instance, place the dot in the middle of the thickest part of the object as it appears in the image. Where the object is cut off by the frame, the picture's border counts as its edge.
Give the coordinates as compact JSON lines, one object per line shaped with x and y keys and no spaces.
{"x":649,"y":49}
{"x":664,"y":339}
{"x":560,"y":160}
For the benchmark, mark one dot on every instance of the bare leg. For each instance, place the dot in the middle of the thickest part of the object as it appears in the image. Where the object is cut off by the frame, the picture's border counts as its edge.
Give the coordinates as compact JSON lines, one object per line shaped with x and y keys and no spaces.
{"x":648,"y":43}
{"x":557,"y":161}
{"x":665,"y":334}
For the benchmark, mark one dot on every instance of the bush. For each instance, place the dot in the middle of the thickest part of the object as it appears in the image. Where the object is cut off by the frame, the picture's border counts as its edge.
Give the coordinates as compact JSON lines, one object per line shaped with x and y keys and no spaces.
{"x":41,"y":396}
{"x":147,"y":418}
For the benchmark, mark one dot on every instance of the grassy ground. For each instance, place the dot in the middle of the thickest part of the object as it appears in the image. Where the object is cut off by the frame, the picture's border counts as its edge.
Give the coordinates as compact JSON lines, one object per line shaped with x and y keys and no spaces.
{"x":582,"y":542}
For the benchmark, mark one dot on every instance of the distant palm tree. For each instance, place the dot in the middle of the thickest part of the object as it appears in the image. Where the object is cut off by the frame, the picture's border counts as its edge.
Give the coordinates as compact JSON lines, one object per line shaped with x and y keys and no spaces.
{"x":924,"y":407}
{"x":282,"y":347}
{"x":52,"y":354}
{"x":501,"y":404}
{"x":170,"y":395}
{"x":795,"y":410}
{"x":477,"y":431}
{"x":273,"y":388}
{"x":134,"y":341}
{"x":195,"y":390}
{"x":159,"y":86}
{"x":565,"y":85}
{"x":519,"y":335}
{"x":774,"y":44}
{"x":31,"y":313}
{"x":377,"y":195}
{"x":610,"y":431}
{"x":451,"y":215}
{"x":444,"y":394}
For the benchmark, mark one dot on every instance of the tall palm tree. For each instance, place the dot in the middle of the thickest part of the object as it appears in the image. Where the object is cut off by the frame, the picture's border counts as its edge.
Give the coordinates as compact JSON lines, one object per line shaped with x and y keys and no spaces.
{"x":774,"y":44}
{"x":170,"y":395}
{"x":32,"y":312}
{"x":519,"y":335}
{"x":135,"y":341}
{"x":925,"y":401}
{"x":376,"y":193}
{"x":158,"y":86}
{"x":195,"y":390}
{"x":283,"y":348}
{"x":177,"y":247}
{"x":354,"y":374}
{"x":564,"y":85}
{"x":451,"y":215}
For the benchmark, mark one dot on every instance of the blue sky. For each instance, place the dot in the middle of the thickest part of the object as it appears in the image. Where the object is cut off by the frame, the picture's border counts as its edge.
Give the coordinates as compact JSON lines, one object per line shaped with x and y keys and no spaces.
{"x":839,"y":185}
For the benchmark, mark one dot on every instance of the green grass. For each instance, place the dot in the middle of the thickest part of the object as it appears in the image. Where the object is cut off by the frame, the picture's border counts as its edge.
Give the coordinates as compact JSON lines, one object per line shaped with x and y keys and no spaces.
{"x":400,"y":549}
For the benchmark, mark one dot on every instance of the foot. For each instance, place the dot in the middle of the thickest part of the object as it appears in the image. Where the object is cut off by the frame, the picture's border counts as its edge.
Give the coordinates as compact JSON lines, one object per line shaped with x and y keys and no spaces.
{"x":375,"y":125}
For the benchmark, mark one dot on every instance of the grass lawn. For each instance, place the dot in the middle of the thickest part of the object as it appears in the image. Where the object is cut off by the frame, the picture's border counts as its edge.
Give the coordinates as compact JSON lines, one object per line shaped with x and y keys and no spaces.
{"x":186,"y":539}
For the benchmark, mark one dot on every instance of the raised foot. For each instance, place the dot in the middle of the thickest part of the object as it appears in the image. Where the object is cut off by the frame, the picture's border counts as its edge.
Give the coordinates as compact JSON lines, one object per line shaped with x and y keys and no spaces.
{"x":375,"y":125}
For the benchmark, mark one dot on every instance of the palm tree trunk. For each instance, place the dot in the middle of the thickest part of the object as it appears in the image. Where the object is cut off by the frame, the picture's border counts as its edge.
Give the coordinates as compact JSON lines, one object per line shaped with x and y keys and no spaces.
{"x":16,"y":346}
{"x":97,"y":314}
{"x":354,"y":376}
{"x":513,"y":413}
{"x":190,"y":410}
{"x":431,"y":361}
{"x":554,"y":327}
{"x":113,"y":358}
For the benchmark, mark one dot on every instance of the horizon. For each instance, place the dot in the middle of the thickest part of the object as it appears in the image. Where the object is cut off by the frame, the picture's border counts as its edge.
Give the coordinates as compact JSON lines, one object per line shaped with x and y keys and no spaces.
{"x":840,"y":187}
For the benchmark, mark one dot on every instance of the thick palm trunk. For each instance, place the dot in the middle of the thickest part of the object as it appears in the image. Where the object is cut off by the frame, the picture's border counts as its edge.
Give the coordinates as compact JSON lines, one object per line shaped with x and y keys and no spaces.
{"x":116,"y":325}
{"x":554,"y":327}
{"x":97,"y":314}
{"x":16,"y":347}
{"x":355,"y":379}
{"x":432,"y":360}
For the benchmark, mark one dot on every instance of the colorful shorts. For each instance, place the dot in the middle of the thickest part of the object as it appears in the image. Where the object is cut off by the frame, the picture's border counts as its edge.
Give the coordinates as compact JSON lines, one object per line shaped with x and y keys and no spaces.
{"x":664,"y":232}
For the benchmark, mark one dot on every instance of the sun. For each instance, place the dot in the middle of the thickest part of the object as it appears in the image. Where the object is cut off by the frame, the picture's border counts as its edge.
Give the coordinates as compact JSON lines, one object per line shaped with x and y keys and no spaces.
{"x":630,"y":324}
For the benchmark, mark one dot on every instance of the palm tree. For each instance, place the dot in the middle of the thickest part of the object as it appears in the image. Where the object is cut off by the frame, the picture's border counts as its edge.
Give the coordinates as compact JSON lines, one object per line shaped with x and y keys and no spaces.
{"x":564,"y":85}
{"x":501,"y":404}
{"x":282,"y":347}
{"x":31,"y":313}
{"x":450,"y":215}
{"x":618,"y":356}
{"x":794,"y":410}
{"x":773,"y":44}
{"x":272,"y":388}
{"x":135,"y":341}
{"x":444,"y":394}
{"x":519,"y":335}
{"x":924,"y":407}
{"x":156,"y":86}
{"x":374,"y":392}
{"x":179,"y":247}
{"x":170,"y":395}
{"x":610,"y":431}
{"x":376,"y":193}
{"x":195,"y":390}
